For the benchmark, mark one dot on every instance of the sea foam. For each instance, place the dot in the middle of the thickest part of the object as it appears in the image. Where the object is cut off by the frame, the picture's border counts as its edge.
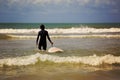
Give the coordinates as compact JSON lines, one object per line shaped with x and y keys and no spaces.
{"x":92,"y":60}
{"x":62,"y":31}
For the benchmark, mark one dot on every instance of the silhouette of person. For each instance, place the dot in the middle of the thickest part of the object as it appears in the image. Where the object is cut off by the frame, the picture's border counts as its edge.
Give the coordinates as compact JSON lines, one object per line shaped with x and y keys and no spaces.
{"x":41,"y":38}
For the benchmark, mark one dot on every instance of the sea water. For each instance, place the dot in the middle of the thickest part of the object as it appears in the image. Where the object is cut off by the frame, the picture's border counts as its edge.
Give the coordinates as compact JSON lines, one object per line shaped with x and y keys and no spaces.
{"x":94,"y":56}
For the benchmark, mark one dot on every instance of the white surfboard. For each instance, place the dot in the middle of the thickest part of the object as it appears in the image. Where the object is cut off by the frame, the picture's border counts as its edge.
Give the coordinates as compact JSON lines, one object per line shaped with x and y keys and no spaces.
{"x":54,"y":50}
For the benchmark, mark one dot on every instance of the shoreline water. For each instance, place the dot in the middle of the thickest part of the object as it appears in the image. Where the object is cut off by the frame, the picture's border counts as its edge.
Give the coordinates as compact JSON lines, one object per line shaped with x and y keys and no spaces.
{"x":24,"y":61}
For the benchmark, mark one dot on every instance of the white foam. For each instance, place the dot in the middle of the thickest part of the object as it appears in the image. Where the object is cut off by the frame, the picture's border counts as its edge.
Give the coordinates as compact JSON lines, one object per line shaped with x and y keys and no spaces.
{"x":90,"y":60}
{"x":66,"y":36}
{"x":93,"y":60}
{"x":19,"y":31}
{"x":83,"y":30}
{"x":19,"y":61}
{"x":62,"y":31}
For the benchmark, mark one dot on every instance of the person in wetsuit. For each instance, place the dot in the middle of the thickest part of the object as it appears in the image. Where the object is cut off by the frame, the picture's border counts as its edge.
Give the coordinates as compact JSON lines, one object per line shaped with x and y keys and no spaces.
{"x":42,"y":38}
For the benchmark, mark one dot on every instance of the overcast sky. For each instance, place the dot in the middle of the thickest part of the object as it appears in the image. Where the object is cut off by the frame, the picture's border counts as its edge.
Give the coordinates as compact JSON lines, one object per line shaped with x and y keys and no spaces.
{"x":60,"y":11}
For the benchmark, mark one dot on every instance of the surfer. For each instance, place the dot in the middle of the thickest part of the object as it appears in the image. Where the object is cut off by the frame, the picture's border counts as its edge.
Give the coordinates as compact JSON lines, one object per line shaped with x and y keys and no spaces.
{"x":41,"y":38}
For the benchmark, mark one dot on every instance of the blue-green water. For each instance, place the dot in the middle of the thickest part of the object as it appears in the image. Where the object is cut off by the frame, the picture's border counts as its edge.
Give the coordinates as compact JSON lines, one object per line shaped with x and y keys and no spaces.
{"x":57,"y":25}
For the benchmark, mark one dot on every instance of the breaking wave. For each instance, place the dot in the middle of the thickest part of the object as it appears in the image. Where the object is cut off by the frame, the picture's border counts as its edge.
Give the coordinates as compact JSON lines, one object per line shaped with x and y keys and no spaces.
{"x":62,"y":31}
{"x":93,"y":60}
{"x":64,"y":36}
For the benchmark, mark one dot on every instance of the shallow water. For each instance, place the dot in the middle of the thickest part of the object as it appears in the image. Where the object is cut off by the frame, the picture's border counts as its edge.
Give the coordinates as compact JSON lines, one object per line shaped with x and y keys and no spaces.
{"x":71,"y":46}
{"x":48,"y":70}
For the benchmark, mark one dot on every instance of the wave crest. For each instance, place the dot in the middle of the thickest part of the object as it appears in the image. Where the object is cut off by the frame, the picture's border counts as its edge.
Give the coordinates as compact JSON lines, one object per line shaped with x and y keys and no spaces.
{"x":93,"y":60}
{"x":62,"y":31}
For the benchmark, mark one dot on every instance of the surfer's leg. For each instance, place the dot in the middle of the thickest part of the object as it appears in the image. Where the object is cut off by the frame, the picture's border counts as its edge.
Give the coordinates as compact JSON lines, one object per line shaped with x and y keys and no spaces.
{"x":44,"y":47}
{"x":39,"y":47}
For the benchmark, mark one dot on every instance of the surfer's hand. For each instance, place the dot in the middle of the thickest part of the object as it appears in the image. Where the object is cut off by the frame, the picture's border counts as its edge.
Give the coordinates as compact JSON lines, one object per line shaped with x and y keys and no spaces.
{"x":52,"y":43}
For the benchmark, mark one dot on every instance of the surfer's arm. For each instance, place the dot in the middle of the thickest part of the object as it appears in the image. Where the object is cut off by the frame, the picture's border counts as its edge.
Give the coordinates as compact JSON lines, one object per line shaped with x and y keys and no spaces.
{"x":49,"y":38}
{"x":37,"y":39}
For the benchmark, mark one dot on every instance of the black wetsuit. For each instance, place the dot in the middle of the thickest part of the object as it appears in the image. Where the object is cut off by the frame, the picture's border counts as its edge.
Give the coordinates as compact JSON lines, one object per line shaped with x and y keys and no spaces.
{"x":42,"y":41}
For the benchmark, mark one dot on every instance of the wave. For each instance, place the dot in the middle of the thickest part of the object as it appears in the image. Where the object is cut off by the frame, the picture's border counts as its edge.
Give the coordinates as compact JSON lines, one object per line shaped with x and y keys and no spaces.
{"x":93,"y":60}
{"x":63,"y":36}
{"x":62,"y":31}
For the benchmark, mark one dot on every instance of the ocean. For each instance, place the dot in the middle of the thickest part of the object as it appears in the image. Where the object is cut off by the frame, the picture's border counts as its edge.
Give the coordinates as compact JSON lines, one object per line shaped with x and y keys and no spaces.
{"x":91,"y":51}
{"x":57,"y":25}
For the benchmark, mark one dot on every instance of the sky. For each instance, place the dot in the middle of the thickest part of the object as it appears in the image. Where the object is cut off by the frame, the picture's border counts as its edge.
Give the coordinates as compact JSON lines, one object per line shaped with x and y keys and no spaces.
{"x":60,"y":11}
